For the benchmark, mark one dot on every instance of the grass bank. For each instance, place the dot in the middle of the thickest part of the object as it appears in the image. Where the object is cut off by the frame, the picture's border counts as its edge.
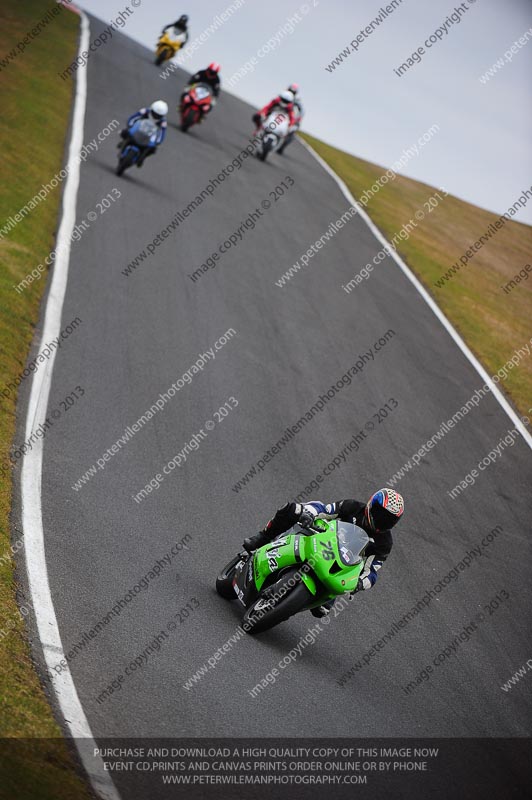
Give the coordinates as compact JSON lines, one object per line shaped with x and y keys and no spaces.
{"x":492,"y":321}
{"x":35,"y":114}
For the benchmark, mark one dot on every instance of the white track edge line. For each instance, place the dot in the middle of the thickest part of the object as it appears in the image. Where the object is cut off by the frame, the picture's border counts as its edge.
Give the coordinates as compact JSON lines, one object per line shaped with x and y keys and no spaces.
{"x":426,"y":297}
{"x":32,"y":523}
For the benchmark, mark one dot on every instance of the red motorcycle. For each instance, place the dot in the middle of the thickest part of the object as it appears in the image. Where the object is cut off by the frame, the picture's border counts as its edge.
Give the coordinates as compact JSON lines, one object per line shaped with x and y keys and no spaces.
{"x":194,"y":105}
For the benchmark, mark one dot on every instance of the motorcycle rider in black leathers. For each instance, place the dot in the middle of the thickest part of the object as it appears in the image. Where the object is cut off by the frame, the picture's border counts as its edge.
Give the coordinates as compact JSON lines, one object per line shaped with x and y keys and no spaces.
{"x":210,"y":76}
{"x":376,"y":517}
{"x":179,"y":30}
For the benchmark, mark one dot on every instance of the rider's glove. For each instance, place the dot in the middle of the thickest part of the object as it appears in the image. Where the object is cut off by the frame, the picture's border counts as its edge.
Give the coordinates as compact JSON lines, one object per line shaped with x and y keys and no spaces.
{"x":362,"y":585}
{"x":256,"y":119}
{"x":368,"y":576}
{"x":306,"y":519}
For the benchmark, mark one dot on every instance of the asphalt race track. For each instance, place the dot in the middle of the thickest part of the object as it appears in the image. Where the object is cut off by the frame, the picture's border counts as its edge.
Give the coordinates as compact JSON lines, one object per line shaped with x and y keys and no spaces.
{"x":141,"y":332}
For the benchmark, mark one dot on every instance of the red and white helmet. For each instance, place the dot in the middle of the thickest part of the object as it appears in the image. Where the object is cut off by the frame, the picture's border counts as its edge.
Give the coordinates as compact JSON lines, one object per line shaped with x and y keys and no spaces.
{"x":384,"y":509}
{"x":214,"y":67}
{"x":294,"y":88}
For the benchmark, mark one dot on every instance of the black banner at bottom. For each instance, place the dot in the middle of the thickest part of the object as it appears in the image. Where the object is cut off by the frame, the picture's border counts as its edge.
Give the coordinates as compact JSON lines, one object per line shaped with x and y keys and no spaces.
{"x":293,"y":769}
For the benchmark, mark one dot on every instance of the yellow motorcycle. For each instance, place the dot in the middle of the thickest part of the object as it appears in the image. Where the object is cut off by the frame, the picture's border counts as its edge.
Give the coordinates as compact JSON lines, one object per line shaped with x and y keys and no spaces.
{"x":166,"y":49}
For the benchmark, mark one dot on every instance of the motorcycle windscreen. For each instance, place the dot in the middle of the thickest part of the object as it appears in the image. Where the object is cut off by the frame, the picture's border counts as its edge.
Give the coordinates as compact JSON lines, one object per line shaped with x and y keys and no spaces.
{"x":144,"y":131}
{"x":201,"y":91}
{"x":351,"y":542}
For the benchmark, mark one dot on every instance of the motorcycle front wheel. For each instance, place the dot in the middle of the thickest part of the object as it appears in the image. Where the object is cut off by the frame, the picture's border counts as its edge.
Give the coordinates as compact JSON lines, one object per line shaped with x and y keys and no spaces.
{"x":267,"y":147}
{"x":125,"y":162}
{"x":162,"y":56}
{"x":267,"y":611}
{"x":188,"y":118}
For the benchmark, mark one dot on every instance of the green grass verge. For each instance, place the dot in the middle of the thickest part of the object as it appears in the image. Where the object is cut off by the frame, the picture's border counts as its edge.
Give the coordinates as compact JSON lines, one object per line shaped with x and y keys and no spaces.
{"x":493,"y":323}
{"x":35,"y":113}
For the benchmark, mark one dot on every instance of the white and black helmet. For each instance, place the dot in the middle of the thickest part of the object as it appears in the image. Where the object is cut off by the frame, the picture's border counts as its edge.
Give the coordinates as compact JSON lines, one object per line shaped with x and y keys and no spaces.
{"x":159,"y":109}
{"x":286,"y":99}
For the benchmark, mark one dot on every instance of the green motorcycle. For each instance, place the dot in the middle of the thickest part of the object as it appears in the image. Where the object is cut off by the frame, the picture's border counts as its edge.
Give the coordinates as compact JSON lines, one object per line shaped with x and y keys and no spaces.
{"x":298,"y":571}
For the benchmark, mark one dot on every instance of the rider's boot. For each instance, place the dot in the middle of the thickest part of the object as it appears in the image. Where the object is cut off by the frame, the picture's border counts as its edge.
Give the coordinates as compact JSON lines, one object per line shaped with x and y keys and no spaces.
{"x":322,"y":611}
{"x":259,"y":540}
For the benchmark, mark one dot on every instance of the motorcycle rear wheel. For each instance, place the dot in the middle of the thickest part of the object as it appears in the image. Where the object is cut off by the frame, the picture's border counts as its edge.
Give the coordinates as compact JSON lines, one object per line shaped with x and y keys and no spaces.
{"x":224,"y":581}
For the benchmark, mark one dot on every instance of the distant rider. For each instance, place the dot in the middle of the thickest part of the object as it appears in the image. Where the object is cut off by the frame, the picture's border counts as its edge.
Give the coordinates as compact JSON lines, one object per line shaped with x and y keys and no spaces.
{"x":283,"y":102}
{"x":157,"y":112}
{"x":298,"y":105}
{"x":298,"y":116}
{"x":179,"y":33}
{"x":376,"y":517}
{"x":210,"y":76}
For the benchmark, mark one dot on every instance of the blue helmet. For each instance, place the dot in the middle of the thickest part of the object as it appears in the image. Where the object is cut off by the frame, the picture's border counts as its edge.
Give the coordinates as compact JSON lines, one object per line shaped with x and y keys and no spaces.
{"x":384,"y":510}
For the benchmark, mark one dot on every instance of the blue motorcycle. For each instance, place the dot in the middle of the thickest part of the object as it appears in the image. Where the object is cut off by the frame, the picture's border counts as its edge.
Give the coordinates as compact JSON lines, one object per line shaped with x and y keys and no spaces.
{"x":142,"y":134}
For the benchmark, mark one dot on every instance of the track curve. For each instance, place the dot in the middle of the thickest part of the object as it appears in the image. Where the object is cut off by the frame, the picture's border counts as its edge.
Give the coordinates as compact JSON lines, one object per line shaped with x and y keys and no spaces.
{"x":142,"y":332}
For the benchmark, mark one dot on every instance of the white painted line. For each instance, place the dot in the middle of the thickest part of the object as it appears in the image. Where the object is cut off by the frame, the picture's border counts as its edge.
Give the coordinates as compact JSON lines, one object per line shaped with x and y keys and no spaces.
{"x":426,"y":297}
{"x":32,"y":523}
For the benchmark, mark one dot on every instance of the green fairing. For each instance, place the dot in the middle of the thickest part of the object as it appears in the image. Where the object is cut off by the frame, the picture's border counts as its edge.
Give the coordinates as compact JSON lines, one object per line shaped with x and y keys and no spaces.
{"x":319,"y":551}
